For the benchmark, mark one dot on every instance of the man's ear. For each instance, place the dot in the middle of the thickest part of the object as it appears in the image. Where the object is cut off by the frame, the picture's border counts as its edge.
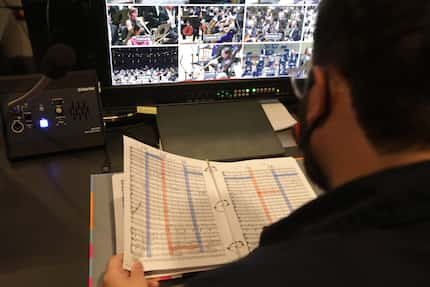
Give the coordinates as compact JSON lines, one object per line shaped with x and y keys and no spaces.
{"x":317,"y":101}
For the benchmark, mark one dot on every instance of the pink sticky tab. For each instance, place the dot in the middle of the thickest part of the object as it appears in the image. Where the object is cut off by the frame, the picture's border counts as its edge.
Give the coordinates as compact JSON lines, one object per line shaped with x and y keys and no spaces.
{"x":164,"y":278}
{"x":90,"y":282}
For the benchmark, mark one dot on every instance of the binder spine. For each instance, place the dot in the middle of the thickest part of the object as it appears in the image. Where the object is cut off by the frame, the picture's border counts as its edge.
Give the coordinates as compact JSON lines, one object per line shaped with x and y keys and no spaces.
{"x":222,"y":206}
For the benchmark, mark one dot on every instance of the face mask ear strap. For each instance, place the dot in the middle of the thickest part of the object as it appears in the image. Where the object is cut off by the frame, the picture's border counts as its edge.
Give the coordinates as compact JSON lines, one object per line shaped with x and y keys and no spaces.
{"x":304,"y":132}
{"x":310,"y":82}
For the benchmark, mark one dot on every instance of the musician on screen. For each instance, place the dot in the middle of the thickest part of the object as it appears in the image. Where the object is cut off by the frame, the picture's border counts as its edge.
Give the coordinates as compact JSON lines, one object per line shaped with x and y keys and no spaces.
{"x":223,"y":63}
{"x":135,"y":26}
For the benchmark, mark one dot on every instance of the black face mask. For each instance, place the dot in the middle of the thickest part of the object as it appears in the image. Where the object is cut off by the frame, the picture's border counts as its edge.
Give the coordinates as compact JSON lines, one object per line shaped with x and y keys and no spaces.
{"x":312,"y":167}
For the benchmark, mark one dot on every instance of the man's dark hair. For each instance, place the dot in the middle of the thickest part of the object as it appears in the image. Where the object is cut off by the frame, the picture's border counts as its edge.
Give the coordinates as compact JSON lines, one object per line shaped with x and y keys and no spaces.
{"x":382,"y":48}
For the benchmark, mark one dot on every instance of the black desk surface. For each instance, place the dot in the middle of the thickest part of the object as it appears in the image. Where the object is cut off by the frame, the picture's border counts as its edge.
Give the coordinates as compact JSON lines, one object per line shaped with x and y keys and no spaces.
{"x":44,"y":210}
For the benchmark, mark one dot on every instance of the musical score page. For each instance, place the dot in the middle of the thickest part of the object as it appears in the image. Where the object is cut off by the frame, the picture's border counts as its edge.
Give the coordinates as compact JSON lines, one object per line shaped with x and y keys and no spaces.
{"x":261,"y":192}
{"x":169,"y":217}
{"x":118,"y":203}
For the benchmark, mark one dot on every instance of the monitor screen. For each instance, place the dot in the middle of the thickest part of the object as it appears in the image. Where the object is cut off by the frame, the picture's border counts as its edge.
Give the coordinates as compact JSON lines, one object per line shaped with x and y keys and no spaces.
{"x":186,"y":41}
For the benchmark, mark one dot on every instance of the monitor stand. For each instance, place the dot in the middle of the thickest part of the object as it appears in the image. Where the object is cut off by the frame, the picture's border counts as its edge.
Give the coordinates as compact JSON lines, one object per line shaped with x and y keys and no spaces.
{"x":218,"y":131}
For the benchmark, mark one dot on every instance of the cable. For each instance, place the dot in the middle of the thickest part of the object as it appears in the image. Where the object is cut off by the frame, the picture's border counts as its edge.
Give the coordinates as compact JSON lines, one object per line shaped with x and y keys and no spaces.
{"x":111,"y":119}
{"x":42,"y":84}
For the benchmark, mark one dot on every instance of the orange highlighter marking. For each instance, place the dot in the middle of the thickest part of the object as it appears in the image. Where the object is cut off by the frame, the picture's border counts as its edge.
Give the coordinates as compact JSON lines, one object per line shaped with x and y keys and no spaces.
{"x":165,"y":207}
{"x":186,"y":247}
{"x":260,"y":196}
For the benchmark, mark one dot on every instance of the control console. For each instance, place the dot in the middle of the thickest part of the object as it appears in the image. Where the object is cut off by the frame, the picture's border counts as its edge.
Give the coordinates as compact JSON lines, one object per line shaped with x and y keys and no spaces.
{"x":64,"y":116}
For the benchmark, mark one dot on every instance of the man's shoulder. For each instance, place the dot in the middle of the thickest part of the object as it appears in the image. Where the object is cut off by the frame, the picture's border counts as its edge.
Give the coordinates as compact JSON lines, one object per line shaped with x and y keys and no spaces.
{"x":353,"y":259}
{"x":374,"y":231}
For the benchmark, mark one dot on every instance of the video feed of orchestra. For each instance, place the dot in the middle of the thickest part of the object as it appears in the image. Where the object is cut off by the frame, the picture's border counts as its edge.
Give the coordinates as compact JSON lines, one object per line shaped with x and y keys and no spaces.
{"x":270,"y":60}
{"x":274,"y":23}
{"x":284,"y":2}
{"x":143,"y":25}
{"x":191,"y":40}
{"x":211,"y":24}
{"x":210,"y":62}
{"x":176,"y":2}
{"x":309,"y":26}
{"x":144,"y":65}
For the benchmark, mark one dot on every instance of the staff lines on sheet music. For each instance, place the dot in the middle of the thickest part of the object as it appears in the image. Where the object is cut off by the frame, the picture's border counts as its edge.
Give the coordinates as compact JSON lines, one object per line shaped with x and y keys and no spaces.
{"x":295,"y":198}
{"x":210,"y":241}
{"x":286,"y":180}
{"x":212,"y":245}
{"x":262,"y":196}
{"x":156,"y":173}
{"x":141,"y":218}
{"x":172,"y":171}
{"x":265,"y":184}
{"x":174,"y":186}
{"x":157,"y":198}
{"x":138,"y":216}
{"x":255,"y":176}
{"x":160,"y":234}
{"x":138,"y":155}
{"x":209,"y":226}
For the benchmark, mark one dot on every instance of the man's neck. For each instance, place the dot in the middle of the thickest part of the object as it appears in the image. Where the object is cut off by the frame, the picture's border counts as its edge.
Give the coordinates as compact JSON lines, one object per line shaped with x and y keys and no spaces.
{"x":352,"y":156}
{"x":385,"y":163}
{"x":355,"y":158}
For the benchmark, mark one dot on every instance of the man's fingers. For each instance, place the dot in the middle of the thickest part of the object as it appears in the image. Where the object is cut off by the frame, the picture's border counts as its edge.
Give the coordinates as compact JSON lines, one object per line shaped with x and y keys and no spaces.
{"x":115,"y":266}
{"x":137,"y":275}
{"x":153,"y":283}
{"x":137,"y":267}
{"x":115,"y":262}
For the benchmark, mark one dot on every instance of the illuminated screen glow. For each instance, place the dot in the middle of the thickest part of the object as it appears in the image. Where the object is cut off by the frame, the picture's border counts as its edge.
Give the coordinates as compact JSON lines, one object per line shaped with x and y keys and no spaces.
{"x":186,"y":41}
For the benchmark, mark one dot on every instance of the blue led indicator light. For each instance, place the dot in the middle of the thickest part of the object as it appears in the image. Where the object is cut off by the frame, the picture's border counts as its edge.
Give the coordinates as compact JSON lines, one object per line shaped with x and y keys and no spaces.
{"x":44,"y":123}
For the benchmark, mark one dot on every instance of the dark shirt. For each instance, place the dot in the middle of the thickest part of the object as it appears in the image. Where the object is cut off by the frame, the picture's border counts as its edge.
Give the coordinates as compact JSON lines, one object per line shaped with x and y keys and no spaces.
{"x":374,"y":231}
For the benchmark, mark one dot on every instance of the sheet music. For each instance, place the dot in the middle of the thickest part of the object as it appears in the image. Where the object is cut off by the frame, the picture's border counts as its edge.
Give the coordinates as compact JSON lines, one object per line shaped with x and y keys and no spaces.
{"x":176,"y":272}
{"x":169,"y":220}
{"x":118,"y":202}
{"x":262,"y":192}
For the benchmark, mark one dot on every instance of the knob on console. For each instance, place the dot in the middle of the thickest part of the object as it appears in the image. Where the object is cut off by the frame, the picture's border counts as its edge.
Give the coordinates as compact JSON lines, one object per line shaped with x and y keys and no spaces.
{"x":17,"y":126}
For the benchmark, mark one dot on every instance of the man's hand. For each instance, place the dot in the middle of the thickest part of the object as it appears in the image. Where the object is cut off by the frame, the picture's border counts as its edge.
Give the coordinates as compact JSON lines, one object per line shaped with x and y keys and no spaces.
{"x":116,"y":276}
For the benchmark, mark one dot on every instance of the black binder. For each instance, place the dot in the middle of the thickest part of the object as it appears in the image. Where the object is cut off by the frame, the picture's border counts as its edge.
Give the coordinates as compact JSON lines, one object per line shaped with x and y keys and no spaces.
{"x":218,"y":131}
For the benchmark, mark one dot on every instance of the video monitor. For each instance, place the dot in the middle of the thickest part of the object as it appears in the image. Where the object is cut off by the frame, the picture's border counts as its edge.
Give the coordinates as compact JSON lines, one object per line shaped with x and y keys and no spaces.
{"x":186,"y":41}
